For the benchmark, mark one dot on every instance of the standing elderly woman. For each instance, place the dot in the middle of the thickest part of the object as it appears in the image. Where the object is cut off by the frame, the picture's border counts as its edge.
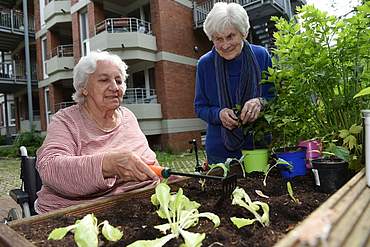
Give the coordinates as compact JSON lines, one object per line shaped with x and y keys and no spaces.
{"x":95,"y":148}
{"x":227,"y":76}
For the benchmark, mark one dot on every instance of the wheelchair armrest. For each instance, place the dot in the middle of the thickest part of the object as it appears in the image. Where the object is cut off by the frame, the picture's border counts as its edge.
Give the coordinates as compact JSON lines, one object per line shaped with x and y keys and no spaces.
{"x":19,"y":196}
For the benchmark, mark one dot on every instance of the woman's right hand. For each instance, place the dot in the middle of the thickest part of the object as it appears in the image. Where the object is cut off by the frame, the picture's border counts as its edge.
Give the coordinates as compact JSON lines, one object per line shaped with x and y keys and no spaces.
{"x":127,"y":166}
{"x":228,"y":119}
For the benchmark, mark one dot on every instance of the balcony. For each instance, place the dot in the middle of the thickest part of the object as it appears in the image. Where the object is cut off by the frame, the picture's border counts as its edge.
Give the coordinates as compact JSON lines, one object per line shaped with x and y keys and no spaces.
{"x":144,"y":104}
{"x":57,"y":12}
{"x":130,"y":38}
{"x":258,"y":10}
{"x":12,"y":28}
{"x":59,"y":65}
{"x":13,"y":76}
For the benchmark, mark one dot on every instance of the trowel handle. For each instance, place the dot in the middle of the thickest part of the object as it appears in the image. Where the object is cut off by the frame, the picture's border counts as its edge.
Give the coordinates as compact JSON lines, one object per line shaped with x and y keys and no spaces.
{"x":160,"y":171}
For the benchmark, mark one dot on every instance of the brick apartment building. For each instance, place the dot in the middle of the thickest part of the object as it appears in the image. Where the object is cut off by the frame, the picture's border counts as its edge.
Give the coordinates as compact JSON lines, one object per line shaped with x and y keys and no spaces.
{"x":160,"y":40}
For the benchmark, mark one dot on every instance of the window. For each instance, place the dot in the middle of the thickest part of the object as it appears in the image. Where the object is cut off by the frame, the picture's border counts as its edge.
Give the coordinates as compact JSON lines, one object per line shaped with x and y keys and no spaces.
{"x":42,"y":7}
{"x":11,"y":114}
{"x":44,"y":56}
{"x":47,"y":106}
{"x":84,"y":33}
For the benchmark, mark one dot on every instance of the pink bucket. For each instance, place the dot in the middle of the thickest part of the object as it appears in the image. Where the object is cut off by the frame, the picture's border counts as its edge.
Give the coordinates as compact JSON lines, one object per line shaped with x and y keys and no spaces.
{"x":313,"y":151}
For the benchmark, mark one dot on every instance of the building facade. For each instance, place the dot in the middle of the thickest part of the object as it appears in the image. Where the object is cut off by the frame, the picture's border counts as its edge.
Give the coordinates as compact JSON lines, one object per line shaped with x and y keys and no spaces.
{"x":14,"y":110}
{"x":160,"y":40}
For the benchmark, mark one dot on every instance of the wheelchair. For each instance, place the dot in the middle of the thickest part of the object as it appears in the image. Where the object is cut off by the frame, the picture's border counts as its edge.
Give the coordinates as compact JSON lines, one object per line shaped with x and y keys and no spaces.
{"x":31,"y":184}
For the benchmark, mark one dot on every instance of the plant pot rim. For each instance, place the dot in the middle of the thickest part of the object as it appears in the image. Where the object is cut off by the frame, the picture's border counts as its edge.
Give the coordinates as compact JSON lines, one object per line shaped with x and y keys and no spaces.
{"x":328,"y":161}
{"x":288,"y":149}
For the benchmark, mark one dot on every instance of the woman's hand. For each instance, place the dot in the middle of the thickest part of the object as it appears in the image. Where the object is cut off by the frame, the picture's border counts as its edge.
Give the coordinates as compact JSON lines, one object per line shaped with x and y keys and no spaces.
{"x":128,"y":167}
{"x":251,"y":110}
{"x":228,"y":119}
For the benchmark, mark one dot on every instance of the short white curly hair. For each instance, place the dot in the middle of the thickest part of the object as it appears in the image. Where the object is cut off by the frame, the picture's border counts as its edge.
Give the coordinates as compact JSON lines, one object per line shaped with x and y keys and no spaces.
{"x":87,"y":66}
{"x":225,"y":15}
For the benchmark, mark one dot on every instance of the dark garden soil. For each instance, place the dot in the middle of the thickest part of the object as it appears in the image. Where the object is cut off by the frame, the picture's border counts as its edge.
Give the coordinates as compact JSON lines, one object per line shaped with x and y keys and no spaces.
{"x":137,"y":217}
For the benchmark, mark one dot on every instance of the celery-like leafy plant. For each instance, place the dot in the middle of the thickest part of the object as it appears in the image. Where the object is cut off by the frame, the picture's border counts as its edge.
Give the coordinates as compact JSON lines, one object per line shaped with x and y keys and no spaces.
{"x":86,"y":232}
{"x":181,"y":214}
{"x":241,"y":198}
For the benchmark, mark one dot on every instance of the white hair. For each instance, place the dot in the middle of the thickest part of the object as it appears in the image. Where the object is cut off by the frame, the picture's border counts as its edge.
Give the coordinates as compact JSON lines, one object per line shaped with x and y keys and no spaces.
{"x":226,"y":15}
{"x":87,"y":65}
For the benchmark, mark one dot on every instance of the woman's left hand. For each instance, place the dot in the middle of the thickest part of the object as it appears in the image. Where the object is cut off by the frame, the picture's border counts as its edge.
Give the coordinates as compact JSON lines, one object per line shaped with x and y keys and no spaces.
{"x":251,"y":110}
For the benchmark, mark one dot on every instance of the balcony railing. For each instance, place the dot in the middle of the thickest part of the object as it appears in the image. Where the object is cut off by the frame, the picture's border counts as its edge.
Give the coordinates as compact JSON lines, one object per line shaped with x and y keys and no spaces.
{"x":12,"y":20}
{"x":201,"y":10}
{"x":62,"y":51}
{"x":125,"y":24}
{"x":140,"y":96}
{"x":63,"y":104}
{"x":16,"y":70}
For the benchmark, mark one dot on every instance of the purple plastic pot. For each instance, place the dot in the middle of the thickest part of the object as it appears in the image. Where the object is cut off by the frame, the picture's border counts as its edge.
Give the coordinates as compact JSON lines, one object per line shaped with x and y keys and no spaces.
{"x":313,"y":150}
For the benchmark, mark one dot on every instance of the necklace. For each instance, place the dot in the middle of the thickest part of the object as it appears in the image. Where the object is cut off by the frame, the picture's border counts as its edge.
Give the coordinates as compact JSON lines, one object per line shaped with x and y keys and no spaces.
{"x":116,"y":121}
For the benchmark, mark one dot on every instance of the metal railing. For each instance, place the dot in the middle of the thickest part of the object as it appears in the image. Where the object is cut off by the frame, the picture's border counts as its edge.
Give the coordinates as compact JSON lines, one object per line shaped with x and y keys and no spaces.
{"x":63,"y":104}
{"x":124,"y":24}
{"x":16,"y":70}
{"x":62,"y":51}
{"x":200,"y":11}
{"x":12,"y":20}
{"x":140,"y":96}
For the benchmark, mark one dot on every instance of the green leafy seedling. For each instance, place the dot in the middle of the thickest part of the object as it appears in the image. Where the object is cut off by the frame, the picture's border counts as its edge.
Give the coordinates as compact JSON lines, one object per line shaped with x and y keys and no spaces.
{"x":241,"y":198}
{"x":290,"y":192}
{"x":86,"y":231}
{"x":181,"y":214}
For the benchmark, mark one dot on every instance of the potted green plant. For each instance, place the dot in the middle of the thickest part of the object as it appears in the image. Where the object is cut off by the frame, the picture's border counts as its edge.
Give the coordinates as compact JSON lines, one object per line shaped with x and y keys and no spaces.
{"x":320,"y":62}
{"x":256,"y":159}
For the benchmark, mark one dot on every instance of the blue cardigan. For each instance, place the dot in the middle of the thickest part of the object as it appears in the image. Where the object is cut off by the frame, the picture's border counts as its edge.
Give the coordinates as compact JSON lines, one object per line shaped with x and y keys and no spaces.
{"x":207,"y":105}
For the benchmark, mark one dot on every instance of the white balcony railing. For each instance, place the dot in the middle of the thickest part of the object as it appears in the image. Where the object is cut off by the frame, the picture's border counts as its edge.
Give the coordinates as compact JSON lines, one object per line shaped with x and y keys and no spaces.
{"x":125,"y":24}
{"x":140,"y":96}
{"x":63,"y":104}
{"x":12,"y":20}
{"x":62,"y":51}
{"x":16,"y":70}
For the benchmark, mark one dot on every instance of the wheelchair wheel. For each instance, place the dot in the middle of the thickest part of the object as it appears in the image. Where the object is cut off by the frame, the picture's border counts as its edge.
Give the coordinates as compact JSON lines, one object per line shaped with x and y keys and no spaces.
{"x":14,"y":214}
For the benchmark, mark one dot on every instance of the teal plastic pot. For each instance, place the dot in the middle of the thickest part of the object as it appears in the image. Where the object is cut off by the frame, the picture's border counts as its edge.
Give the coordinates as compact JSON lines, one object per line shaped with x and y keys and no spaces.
{"x":255,"y":160}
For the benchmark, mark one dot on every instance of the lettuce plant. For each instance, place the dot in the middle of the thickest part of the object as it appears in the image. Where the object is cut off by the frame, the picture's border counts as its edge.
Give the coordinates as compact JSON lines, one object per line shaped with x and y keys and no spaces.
{"x":86,"y":232}
{"x":181,"y":214}
{"x":241,"y":198}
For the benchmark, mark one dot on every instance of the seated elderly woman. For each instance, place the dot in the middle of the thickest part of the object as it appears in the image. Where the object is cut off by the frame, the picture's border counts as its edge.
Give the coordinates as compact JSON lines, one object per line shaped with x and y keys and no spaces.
{"x":95,"y":148}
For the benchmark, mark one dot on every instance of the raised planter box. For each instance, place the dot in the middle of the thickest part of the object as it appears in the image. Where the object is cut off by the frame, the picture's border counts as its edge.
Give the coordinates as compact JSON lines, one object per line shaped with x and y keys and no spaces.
{"x":346,"y":212}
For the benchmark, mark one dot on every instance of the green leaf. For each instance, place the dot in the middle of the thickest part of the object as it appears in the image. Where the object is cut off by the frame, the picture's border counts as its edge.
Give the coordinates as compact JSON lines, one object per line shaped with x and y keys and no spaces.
{"x":211,"y":216}
{"x":86,"y":232}
{"x":363,"y":92}
{"x":192,"y":239}
{"x":290,"y":192}
{"x":350,"y":141}
{"x":159,"y":242}
{"x":343,"y":133}
{"x":355,"y":129}
{"x":162,"y":192}
{"x":163,"y":228}
{"x":241,"y":222}
{"x":59,"y":233}
{"x":111,"y":233}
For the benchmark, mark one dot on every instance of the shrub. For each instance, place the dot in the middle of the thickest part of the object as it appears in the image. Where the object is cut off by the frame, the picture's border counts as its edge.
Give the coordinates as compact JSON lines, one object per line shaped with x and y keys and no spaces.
{"x":32,"y":140}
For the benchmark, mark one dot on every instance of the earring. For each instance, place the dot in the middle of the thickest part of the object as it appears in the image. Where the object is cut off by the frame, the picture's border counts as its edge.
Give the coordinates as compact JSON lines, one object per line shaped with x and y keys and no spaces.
{"x":84,"y":92}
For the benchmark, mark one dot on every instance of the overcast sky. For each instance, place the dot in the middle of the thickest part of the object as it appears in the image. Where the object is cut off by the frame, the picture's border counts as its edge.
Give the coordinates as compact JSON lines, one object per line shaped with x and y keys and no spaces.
{"x":334,"y":7}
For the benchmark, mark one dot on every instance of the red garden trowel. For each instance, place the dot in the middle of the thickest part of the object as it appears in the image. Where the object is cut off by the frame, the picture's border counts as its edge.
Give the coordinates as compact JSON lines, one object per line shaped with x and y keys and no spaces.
{"x":228,"y":183}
